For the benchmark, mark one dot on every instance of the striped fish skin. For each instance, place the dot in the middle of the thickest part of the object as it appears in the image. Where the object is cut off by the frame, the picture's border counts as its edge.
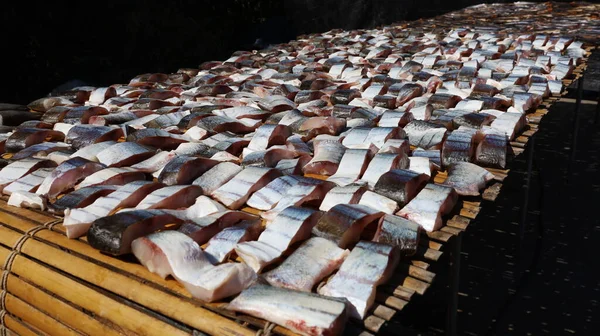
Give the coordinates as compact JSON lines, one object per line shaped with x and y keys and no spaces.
{"x":81,"y":197}
{"x":338,"y":195}
{"x":156,"y":162}
{"x":215,"y":177}
{"x":315,"y":259}
{"x":344,"y":224}
{"x":90,"y":152}
{"x":124,"y":154}
{"x":291,"y":225}
{"x":467,"y":178}
{"x":368,"y":265}
{"x":459,"y":147}
{"x":382,"y":163}
{"x":352,"y":166}
{"x":202,"y":229}
{"x":77,"y":221}
{"x":171,"y":197}
{"x":112,"y":176}
{"x":234,"y":193}
{"x":492,"y":151}
{"x":28,"y":182}
{"x":26,"y":137}
{"x":399,"y":232}
{"x":425,"y":135}
{"x":306,"y":190}
{"x":220,"y":246}
{"x":328,"y":154}
{"x":67,"y":175}
{"x":427,"y":208}
{"x":113,"y":234}
{"x":304,"y":313}
{"x":401,"y":185}
{"x":185,"y":169}
{"x":80,"y":136}
{"x":42,"y":149}
{"x":268,"y":196}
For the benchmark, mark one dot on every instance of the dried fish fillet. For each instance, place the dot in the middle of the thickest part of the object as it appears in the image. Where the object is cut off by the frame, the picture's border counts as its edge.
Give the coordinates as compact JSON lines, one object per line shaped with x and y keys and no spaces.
{"x":467,"y":178}
{"x":427,"y":208}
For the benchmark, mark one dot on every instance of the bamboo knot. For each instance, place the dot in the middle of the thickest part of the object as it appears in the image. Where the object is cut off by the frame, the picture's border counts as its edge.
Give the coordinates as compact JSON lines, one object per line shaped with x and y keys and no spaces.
{"x":266,"y":331}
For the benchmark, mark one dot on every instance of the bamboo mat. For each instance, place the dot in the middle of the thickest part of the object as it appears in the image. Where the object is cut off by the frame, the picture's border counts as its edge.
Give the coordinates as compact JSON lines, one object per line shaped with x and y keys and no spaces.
{"x":59,"y":286}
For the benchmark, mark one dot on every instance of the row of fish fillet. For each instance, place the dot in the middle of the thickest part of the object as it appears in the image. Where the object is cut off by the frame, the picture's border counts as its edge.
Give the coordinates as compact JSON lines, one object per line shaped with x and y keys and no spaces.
{"x":334,"y":137}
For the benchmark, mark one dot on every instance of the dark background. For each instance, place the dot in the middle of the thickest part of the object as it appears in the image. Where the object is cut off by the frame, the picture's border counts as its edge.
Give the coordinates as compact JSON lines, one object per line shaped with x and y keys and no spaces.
{"x":102,"y":43}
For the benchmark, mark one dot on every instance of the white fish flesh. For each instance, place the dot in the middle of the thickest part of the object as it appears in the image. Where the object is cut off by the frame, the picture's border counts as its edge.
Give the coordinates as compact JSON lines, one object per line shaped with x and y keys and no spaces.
{"x":124,"y":154}
{"x":220,"y":247}
{"x":315,"y":259}
{"x":90,"y":152}
{"x":381,"y":164}
{"x":376,"y":201}
{"x":306,"y":190}
{"x":268,"y":196}
{"x":368,"y":265}
{"x":67,"y":175}
{"x":352,"y":166}
{"x":328,"y":154}
{"x":304,"y":313}
{"x":400,"y":232}
{"x":156,"y":162}
{"x":268,"y":135}
{"x":234,"y":193}
{"x":26,"y":199}
{"x":420,"y":165}
{"x":202,"y":229}
{"x":215,"y":177}
{"x":18,"y":169}
{"x":342,"y":195}
{"x":28,"y":182}
{"x":428,"y":207}
{"x":291,"y":225}
{"x":112,"y":176}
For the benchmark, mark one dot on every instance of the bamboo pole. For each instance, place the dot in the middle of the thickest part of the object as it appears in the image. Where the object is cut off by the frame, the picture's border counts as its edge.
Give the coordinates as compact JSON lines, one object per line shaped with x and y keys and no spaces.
{"x":124,"y":286}
{"x":87,"y":298}
{"x":31,"y":315}
{"x":57,"y":309}
{"x":17,"y":327}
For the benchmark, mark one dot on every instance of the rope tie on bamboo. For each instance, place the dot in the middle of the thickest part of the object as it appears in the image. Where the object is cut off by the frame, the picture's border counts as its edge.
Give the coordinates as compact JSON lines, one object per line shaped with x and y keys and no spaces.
{"x":266,"y":331}
{"x":3,"y":330}
{"x":50,"y":225}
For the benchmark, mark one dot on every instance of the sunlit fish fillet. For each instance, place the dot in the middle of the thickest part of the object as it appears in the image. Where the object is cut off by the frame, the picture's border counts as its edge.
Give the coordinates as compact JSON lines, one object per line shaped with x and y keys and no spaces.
{"x":234,"y":193}
{"x":185,"y":169}
{"x":467,"y":178}
{"x":306,"y":190}
{"x":459,"y":146}
{"x":268,"y":196}
{"x":291,"y":225}
{"x":113,"y":234}
{"x":170,"y":252}
{"x":268,"y":135}
{"x":352,"y":166}
{"x":90,"y":152}
{"x":156,"y":162}
{"x":67,"y":175}
{"x":78,"y":221}
{"x":28,"y":182}
{"x":220,"y":247}
{"x":368,"y":265}
{"x":292,"y":166}
{"x":171,"y":197}
{"x":420,"y":165}
{"x":400,"y":232}
{"x":510,"y":123}
{"x":348,"y":194}
{"x":382,"y":163}
{"x":492,"y":150}
{"x":344,"y":223}
{"x":42,"y":149}
{"x":156,"y":138}
{"x":428,"y":207}
{"x":424,"y":134}
{"x":328,"y":154}
{"x":124,"y":154}
{"x":81,"y":198}
{"x":376,"y":201}
{"x":202,"y":229}
{"x":401,"y":185}
{"x":114,"y":176}
{"x":215,"y":177}
{"x":396,"y":146}
{"x":395,"y":119}
{"x":315,"y":259}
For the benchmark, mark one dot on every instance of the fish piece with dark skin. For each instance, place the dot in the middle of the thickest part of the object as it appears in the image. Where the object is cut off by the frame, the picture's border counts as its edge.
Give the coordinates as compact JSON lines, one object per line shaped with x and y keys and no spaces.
{"x":80,"y":198}
{"x":202,"y":229}
{"x":171,"y":197}
{"x":425,"y":134}
{"x":185,"y":169}
{"x":124,"y":154}
{"x":492,"y":150}
{"x":346,"y":224}
{"x":236,"y":191}
{"x":400,"y":232}
{"x":467,"y":178}
{"x":26,"y":137}
{"x":39,"y":150}
{"x":67,"y":175}
{"x":112,"y":176}
{"x":156,"y":138}
{"x":401,"y":185}
{"x":80,"y":136}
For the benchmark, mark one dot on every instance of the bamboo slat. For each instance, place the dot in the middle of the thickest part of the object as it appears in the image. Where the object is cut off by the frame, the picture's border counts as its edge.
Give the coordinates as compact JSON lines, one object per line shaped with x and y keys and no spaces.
{"x":17,"y":327}
{"x":33,"y":316}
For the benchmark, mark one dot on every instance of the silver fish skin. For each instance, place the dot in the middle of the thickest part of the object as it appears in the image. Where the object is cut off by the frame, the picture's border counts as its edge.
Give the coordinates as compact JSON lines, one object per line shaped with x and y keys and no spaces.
{"x":350,"y":194}
{"x":368,"y":265}
{"x":171,"y":252}
{"x":425,"y":134}
{"x":156,"y":162}
{"x":80,"y":136}
{"x":77,"y":221}
{"x":352,"y":166}
{"x":304,"y":313}
{"x":28,"y":182}
{"x":427,"y":208}
{"x":467,"y":178}
{"x":492,"y":150}
{"x":401,"y":185}
{"x":291,"y":225}
{"x":382,"y":163}
{"x":220,"y":247}
{"x":344,"y":224}
{"x":328,"y":154}
{"x":459,"y":146}
{"x":236,"y":192}
{"x":215,"y":177}
{"x":112,"y":176}
{"x":124,"y":154}
{"x":315,"y":259}
{"x":393,"y":118}
{"x":42,"y":149}
{"x":400,"y":232}
{"x":306,"y":190}
{"x":185,"y":169}
{"x":67,"y":175}
{"x":268,"y":196}
{"x":171,"y":197}
{"x":27,"y":137}
{"x":268,"y":135}
{"x":202,"y":229}
{"x":81,"y":197}
{"x":90,"y":152}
